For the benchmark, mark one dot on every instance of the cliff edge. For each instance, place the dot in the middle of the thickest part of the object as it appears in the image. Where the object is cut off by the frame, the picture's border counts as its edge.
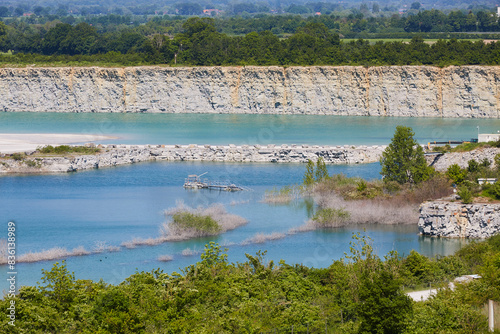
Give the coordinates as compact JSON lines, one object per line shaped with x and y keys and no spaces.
{"x":417,"y":91}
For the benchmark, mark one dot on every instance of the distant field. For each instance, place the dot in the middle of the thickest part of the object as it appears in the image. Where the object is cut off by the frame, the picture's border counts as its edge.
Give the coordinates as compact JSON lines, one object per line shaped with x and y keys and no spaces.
{"x":406,"y":40}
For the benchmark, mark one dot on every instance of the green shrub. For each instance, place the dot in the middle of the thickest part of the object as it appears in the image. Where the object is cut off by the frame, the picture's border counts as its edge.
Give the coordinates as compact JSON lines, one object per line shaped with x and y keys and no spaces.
{"x":473,"y":166}
{"x":331,"y":217}
{"x":17,"y":156}
{"x":466,"y":195}
{"x":64,"y":149}
{"x":495,"y":190}
{"x":189,"y":221}
{"x":456,"y":174}
{"x":362,"y":186}
{"x":32,"y":163}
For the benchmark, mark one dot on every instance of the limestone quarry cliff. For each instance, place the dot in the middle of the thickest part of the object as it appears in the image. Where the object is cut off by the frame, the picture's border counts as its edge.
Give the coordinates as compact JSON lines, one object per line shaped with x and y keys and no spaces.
{"x":456,"y":220}
{"x":420,"y":91}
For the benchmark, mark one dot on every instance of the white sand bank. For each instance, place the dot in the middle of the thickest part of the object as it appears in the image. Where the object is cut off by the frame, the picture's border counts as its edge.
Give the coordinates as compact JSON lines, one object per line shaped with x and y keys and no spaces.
{"x":21,"y":142}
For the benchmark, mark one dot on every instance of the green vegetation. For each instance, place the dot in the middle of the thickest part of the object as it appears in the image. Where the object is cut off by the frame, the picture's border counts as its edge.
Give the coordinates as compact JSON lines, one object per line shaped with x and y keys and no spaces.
{"x":321,"y":172}
{"x":17,"y":156}
{"x":403,"y":160}
{"x":269,"y":40}
{"x":283,"y":195}
{"x":201,"y":224}
{"x":315,"y":173}
{"x":360,"y":293}
{"x":308,"y":178}
{"x":329,"y":217}
{"x":466,"y":195}
{"x":351,"y":188}
{"x":65,"y":149}
{"x":467,"y":179}
{"x":465,"y":147}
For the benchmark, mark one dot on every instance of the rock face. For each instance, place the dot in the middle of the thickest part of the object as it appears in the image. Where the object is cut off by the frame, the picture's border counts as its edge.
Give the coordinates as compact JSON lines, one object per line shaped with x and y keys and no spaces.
{"x":469,"y":91}
{"x":442,"y":162}
{"x":112,"y":155}
{"x":456,"y":220}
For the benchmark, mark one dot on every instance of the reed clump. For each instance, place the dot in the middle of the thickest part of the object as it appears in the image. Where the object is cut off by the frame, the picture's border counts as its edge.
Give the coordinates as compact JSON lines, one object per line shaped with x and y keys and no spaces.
{"x":261,"y":238}
{"x":185,"y":222}
{"x":282,"y":195}
{"x":52,"y":254}
{"x":165,"y":258}
{"x":342,"y":201}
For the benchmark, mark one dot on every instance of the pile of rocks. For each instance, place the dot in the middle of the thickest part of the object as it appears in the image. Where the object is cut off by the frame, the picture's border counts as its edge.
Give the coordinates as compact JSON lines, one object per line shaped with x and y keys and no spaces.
{"x":113,"y":155}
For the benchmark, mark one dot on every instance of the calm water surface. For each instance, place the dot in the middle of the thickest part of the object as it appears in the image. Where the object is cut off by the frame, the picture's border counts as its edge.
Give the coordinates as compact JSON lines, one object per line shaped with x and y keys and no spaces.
{"x":244,"y":129}
{"x":115,"y":205}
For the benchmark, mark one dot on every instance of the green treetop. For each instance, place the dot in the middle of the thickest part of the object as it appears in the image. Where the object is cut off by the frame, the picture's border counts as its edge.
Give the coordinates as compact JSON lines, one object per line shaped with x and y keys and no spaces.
{"x":403,"y":160}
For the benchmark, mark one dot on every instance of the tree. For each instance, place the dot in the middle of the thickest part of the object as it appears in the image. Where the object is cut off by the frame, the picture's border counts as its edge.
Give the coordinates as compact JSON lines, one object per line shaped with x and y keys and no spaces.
{"x":4,"y":11}
{"x":416,"y":5}
{"x":456,"y":174}
{"x":403,"y":160}
{"x":321,"y":171}
{"x":309,"y":174}
{"x":384,"y":307}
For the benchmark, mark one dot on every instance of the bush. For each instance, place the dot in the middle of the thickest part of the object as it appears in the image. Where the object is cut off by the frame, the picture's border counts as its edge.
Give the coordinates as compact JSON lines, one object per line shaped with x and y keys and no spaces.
{"x":473,"y":166}
{"x":64,"y":149}
{"x":204,"y":225}
{"x":17,"y":156}
{"x":495,"y":190}
{"x":456,"y":174}
{"x":331,"y":217}
{"x":466,"y":195}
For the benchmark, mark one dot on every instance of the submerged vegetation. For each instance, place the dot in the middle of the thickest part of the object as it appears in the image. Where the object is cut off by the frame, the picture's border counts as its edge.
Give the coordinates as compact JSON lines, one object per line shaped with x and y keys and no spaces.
{"x":360,"y":293}
{"x":189,"y":223}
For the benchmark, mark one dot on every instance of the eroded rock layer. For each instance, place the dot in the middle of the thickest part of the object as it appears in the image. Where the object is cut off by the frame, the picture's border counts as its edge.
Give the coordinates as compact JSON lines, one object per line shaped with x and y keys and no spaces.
{"x":468,"y":91}
{"x":456,"y":220}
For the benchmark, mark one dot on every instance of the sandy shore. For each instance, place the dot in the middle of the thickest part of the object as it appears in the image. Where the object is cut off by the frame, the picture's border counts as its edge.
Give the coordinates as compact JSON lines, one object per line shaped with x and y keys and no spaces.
{"x":21,"y":142}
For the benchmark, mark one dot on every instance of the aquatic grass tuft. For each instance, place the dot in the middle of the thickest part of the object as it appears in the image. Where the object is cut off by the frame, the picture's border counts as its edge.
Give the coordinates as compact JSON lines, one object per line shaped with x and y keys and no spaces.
{"x":165,"y":258}
{"x":283,"y":195}
{"x":261,"y":238}
{"x":186,"y":222}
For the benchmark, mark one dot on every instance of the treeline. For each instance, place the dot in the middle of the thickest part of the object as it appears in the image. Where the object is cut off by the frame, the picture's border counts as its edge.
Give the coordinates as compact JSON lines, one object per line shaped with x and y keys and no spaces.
{"x":13,"y":8}
{"x":200,"y":44}
{"x":360,"y":293}
{"x":344,"y":23}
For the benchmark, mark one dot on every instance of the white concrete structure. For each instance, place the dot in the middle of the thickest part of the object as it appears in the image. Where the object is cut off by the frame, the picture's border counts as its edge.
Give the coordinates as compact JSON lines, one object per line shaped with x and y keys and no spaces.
{"x":486,"y":137}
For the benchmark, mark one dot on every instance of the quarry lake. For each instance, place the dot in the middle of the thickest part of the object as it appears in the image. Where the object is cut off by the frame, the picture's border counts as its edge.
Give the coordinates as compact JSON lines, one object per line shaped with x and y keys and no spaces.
{"x":116,"y":205}
{"x":111,"y":206}
{"x":223,"y":129}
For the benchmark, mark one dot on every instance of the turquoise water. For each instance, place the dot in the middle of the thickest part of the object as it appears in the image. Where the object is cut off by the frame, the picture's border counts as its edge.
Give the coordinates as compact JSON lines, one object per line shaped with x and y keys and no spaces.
{"x":115,"y":205}
{"x":244,"y":129}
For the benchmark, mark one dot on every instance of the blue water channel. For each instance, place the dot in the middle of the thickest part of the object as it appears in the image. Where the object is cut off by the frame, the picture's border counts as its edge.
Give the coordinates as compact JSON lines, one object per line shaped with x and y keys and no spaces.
{"x":115,"y":205}
{"x":223,"y":129}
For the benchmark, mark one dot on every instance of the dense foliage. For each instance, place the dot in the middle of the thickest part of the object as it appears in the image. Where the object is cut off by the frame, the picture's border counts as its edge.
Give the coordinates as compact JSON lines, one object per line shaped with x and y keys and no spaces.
{"x":403,"y":160}
{"x":205,"y":41}
{"x":360,"y":293}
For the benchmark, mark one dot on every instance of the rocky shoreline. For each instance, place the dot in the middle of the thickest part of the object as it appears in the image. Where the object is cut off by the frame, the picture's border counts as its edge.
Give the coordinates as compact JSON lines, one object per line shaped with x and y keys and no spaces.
{"x":115,"y":155}
{"x":456,"y":220}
